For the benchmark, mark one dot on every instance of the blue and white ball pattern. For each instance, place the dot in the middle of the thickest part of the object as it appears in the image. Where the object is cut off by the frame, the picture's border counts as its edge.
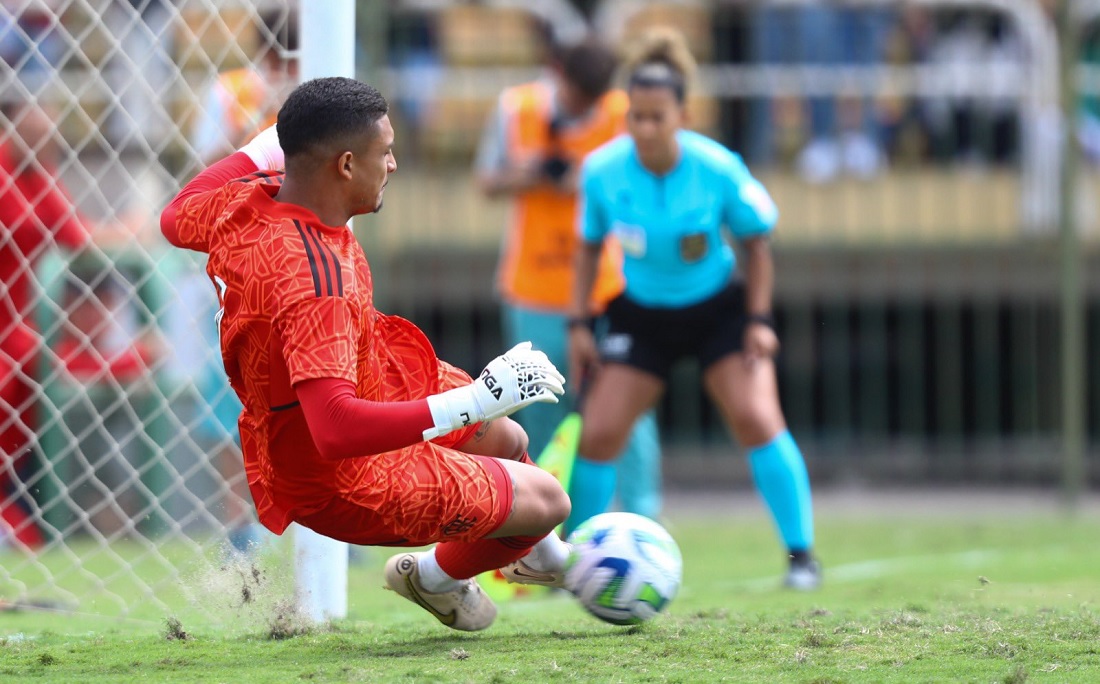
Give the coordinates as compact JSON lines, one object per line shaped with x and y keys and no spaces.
{"x":624,"y":568}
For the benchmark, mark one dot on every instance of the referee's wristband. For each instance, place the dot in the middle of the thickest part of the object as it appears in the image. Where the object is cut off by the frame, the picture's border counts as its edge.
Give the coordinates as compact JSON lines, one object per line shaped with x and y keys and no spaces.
{"x":763,"y":319}
{"x":578,"y":322}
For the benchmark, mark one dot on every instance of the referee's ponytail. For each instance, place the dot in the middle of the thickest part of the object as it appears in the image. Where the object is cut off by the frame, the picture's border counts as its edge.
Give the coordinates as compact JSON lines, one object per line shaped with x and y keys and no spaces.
{"x":661,"y":59}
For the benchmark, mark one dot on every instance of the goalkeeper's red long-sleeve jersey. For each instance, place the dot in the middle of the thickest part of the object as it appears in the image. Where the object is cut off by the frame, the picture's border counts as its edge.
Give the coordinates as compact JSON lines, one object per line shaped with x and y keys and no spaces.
{"x":324,"y":377}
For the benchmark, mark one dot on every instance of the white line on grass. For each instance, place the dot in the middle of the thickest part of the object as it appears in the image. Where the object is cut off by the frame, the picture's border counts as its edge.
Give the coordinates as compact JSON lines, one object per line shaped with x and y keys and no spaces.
{"x":873,"y":568}
{"x":837,"y":574}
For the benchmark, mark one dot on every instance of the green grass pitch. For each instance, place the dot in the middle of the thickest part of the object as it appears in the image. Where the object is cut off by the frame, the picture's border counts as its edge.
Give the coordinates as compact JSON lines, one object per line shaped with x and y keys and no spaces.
{"x":916,"y":590}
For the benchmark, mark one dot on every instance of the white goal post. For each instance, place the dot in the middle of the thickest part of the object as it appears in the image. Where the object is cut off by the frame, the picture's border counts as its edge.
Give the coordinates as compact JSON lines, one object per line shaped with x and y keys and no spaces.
{"x":328,"y":49}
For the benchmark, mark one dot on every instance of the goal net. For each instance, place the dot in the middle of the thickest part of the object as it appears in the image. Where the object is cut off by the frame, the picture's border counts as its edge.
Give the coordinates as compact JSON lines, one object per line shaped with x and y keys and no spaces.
{"x":121,"y":476}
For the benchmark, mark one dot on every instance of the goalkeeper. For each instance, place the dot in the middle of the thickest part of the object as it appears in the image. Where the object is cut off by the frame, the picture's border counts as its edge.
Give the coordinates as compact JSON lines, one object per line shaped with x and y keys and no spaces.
{"x":351,"y":426}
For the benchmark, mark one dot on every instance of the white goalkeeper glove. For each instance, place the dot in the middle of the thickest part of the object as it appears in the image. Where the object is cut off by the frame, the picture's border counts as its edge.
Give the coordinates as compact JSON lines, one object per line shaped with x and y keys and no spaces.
{"x":519,"y":377}
{"x":264,"y":150}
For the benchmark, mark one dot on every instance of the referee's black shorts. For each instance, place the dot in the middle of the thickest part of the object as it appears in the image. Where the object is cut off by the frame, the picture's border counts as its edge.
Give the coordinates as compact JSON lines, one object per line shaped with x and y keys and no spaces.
{"x":653,"y":339}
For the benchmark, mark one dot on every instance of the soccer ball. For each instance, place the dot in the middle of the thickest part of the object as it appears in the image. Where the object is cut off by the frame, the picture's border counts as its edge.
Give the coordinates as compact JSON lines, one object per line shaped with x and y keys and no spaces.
{"x":624,"y":568}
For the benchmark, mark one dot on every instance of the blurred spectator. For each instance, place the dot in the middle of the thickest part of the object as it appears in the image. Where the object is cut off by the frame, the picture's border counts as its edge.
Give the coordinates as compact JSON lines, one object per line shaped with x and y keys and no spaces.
{"x":843,"y":134}
{"x":209,"y":408}
{"x":138,"y":71}
{"x":35,"y":215}
{"x":979,"y":128}
{"x":414,"y":55}
{"x":30,"y":42}
{"x":902,"y":117}
{"x":100,"y":335}
{"x":106,"y":363}
{"x":1089,"y":127}
{"x":242,"y":101}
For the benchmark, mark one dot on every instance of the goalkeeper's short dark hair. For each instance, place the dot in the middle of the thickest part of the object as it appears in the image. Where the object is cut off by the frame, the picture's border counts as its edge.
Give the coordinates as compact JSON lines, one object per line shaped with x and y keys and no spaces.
{"x":325,"y":110}
{"x":589,"y":65}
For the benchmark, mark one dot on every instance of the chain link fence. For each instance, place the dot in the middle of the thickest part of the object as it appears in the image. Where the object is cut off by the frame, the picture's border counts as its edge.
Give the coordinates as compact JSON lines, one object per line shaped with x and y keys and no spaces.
{"x":121,"y":472}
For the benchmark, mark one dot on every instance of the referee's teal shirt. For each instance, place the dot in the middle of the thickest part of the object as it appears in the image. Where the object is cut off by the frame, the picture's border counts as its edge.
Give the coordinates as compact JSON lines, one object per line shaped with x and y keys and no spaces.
{"x":671,"y":226}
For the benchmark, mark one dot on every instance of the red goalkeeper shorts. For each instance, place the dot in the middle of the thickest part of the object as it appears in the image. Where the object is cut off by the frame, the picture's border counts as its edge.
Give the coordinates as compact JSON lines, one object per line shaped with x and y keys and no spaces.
{"x":422,"y":494}
{"x":432,"y":494}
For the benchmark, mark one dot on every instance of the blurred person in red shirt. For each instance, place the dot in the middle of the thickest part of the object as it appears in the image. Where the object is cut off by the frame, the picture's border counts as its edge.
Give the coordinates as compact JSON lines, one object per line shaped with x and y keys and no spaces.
{"x":35,"y":215}
{"x":94,"y":344}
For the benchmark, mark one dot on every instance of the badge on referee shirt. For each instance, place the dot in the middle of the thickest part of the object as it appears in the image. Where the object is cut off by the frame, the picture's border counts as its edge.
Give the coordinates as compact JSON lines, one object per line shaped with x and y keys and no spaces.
{"x":631,"y":238}
{"x":693,"y":247}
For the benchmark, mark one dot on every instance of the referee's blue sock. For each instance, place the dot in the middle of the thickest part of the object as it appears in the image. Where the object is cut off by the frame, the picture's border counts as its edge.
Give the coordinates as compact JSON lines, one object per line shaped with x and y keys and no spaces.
{"x":780,"y":475}
{"x":591,"y":488}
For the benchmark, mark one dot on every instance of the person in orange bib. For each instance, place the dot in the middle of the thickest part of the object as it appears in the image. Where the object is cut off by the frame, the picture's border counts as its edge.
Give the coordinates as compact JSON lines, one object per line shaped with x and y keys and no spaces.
{"x":531,"y":150}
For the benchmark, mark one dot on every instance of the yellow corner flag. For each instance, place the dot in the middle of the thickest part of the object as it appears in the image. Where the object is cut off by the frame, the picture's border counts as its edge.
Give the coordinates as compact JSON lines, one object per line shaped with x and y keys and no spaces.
{"x":560,"y":454}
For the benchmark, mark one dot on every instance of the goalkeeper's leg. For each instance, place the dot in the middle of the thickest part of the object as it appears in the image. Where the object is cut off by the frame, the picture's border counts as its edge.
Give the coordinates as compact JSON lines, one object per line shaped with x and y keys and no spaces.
{"x":536,"y":496}
{"x":484,"y":511}
{"x":441,"y":580}
{"x":487,"y":511}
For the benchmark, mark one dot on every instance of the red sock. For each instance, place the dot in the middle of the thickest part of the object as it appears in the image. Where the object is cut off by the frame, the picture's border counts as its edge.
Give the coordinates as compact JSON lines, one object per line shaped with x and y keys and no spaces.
{"x":463,"y":560}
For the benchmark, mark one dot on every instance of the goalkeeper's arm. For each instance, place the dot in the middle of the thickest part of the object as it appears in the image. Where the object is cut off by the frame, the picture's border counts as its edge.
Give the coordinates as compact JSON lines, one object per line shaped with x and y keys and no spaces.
{"x":344,"y":426}
{"x":262,"y":152}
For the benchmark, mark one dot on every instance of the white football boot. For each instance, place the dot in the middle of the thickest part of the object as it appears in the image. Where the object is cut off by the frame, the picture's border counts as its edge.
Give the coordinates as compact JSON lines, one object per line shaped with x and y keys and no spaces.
{"x":466,"y":608}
